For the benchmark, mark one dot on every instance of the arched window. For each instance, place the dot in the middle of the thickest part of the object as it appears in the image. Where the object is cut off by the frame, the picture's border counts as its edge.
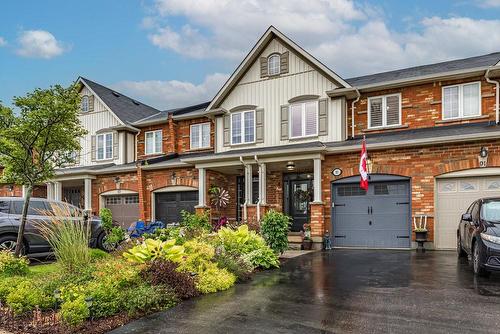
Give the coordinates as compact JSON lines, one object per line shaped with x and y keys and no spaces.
{"x":85,"y":103}
{"x":273,"y":64}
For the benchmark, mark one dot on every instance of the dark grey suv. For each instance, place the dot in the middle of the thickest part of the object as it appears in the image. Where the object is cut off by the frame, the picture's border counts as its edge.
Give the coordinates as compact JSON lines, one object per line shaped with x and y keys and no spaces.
{"x":34,"y":243}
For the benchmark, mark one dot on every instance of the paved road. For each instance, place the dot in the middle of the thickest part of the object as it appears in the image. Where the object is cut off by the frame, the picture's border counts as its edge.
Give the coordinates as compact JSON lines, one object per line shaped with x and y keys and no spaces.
{"x":345,"y":291}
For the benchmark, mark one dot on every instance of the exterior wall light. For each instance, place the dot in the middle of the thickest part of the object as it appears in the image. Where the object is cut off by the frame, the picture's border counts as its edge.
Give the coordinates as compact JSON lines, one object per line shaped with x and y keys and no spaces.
{"x":290,"y":165}
{"x":484,"y":152}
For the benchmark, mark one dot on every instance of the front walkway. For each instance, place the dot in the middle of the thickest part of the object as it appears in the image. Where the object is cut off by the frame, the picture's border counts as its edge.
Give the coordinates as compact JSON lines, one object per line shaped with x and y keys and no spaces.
{"x":344,"y":291}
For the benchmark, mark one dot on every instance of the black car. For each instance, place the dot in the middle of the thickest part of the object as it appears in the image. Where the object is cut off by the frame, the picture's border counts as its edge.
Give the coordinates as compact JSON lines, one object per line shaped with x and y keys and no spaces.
{"x":478,"y":235}
{"x":34,"y":243}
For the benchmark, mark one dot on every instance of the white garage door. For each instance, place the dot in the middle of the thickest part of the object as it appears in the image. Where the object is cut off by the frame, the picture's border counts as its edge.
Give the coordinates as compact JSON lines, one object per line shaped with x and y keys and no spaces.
{"x":453,"y":198}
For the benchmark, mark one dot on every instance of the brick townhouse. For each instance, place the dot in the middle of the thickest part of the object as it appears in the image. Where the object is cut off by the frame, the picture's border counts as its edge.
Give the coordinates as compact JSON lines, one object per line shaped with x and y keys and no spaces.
{"x":284,"y":132}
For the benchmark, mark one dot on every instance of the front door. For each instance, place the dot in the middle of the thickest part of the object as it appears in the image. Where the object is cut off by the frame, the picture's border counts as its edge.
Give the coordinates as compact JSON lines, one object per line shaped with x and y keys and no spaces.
{"x":72,"y":196}
{"x":298,"y":193}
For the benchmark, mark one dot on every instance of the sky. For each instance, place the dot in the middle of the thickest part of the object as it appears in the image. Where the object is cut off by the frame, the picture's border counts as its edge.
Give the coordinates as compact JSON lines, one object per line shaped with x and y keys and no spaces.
{"x":173,"y":53}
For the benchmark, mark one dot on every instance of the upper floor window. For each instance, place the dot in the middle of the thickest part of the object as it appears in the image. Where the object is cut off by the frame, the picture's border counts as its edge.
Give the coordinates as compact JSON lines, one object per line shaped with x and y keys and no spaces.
{"x":104,"y":146}
{"x":304,"y":119}
{"x":243,"y":127}
{"x":384,"y":111}
{"x":153,"y":142}
{"x":200,"y":136}
{"x":273,"y":64}
{"x":85,"y":104}
{"x":462,"y":101}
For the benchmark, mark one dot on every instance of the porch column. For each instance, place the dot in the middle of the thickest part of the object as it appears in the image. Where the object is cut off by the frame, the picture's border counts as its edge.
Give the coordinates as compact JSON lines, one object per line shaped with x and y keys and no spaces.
{"x":201,"y":187}
{"x":248,"y":184}
{"x":88,"y":194}
{"x":58,"y":191}
{"x":262,"y":184}
{"x":50,"y":191}
{"x":317,"y":181}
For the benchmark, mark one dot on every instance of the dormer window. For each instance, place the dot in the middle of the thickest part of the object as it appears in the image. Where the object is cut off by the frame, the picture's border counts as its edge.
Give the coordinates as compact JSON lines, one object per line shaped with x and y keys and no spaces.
{"x":273,"y":65}
{"x":85,"y":104}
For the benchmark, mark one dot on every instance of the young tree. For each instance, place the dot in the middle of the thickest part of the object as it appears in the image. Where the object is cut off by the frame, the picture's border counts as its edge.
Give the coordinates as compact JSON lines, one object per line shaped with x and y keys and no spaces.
{"x":39,"y":139}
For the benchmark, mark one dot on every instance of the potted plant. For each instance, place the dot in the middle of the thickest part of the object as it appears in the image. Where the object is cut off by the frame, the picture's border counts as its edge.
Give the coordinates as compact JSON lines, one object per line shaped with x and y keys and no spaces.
{"x":306,"y":237}
{"x":420,"y":228}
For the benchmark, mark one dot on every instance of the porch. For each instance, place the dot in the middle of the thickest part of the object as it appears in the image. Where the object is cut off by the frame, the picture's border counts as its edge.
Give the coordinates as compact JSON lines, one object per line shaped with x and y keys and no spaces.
{"x":73,"y":190}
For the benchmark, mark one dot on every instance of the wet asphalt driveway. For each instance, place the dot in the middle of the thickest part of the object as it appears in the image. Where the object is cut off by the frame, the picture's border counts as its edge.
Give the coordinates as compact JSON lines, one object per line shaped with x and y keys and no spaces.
{"x":345,"y":291}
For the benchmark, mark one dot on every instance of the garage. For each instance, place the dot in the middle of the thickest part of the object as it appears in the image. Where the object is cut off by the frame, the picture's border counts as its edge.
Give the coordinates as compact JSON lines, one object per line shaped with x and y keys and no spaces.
{"x":455,"y":193}
{"x":377,"y":218}
{"x":169,"y":205}
{"x":125,"y":208}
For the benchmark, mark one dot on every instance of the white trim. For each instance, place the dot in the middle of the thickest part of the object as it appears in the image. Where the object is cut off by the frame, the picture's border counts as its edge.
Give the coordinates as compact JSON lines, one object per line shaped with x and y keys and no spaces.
{"x":242,"y":112}
{"x":200,"y":132}
{"x":489,"y":171}
{"x":155,"y":149}
{"x":384,"y":110}
{"x":104,"y":147}
{"x":166,"y":190}
{"x":303,"y":119}
{"x":460,"y":101}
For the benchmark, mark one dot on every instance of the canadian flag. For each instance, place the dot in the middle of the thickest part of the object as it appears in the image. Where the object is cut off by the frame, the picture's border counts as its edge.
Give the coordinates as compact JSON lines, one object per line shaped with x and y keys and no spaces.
{"x":363,"y":171}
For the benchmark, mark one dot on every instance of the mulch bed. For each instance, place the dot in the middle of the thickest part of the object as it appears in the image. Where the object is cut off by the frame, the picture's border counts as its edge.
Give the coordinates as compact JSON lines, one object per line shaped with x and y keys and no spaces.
{"x":47,"y":322}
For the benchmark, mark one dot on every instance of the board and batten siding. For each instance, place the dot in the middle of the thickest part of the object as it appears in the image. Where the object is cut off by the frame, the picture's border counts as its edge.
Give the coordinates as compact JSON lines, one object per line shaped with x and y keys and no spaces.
{"x":93,"y":121}
{"x":271,"y":93}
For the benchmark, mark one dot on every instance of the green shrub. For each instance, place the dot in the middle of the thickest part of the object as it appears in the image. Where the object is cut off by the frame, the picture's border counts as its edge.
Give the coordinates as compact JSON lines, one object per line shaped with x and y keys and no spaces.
{"x":241,"y":267}
{"x":98,"y":254}
{"x":168,"y":233}
{"x":107,"y":298}
{"x":274,"y":228}
{"x":106,"y":218}
{"x":26,"y":296}
{"x":240,"y":241}
{"x":195,"y":224}
{"x":147,"y":298}
{"x":197,"y":255}
{"x":213,"y":279}
{"x":74,"y":312}
{"x":12,"y":265}
{"x":152,"y":249}
{"x":7,"y":285}
{"x":263,"y":258}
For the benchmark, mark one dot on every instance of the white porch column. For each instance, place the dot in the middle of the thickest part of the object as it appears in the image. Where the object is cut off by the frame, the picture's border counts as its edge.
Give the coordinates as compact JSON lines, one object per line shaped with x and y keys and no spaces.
{"x":58,"y":191}
{"x":122,"y":147}
{"x":87,"y":193}
{"x":262,"y":184}
{"x":50,"y":191}
{"x":248,"y":184}
{"x":317,"y":180}
{"x":201,"y":187}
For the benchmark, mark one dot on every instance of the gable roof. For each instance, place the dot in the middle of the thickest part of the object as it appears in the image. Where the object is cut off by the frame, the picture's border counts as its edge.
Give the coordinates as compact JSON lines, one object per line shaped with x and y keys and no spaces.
{"x":477,"y":62}
{"x":127,"y":109}
{"x":253,"y":55}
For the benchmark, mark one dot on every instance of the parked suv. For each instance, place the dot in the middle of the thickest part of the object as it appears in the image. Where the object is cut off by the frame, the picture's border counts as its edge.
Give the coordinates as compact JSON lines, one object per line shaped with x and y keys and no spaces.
{"x":478,"y":235}
{"x":34,"y":243}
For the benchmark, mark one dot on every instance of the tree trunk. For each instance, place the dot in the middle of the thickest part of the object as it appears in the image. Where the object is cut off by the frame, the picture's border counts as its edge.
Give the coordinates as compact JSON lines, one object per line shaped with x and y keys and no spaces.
{"x":20,"y":233}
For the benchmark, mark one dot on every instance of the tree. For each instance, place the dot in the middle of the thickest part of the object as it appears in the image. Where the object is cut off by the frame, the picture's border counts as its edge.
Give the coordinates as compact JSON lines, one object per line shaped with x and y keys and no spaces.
{"x":38,"y":139}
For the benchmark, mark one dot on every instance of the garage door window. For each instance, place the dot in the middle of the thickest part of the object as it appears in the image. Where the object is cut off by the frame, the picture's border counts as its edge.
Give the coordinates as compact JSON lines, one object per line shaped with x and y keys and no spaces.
{"x":466,"y":186}
{"x":389,"y":189}
{"x":113,"y":200}
{"x":134,"y":199}
{"x":350,"y":190}
{"x":493,"y":185}
{"x":447,"y":187}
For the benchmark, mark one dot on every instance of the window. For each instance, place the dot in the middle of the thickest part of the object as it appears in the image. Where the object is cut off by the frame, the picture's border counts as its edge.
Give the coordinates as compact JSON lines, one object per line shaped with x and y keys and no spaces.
{"x":132,"y":199}
{"x":304,"y":119}
{"x":384,"y":111}
{"x":273,"y":65}
{"x":243,"y":127}
{"x":200,"y":136}
{"x":4,"y":206}
{"x":85,"y":103}
{"x":350,"y":190}
{"x":468,"y":186}
{"x":113,"y":200}
{"x":153,"y":142}
{"x":462,"y":101}
{"x":448,"y":187}
{"x":104,"y":146}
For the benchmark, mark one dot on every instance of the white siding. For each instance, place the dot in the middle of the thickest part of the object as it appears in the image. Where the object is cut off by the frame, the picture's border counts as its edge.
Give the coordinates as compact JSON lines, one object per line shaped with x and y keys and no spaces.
{"x":271,"y":94}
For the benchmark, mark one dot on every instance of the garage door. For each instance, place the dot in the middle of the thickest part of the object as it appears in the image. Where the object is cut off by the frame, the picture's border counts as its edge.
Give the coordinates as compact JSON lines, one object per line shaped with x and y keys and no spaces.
{"x":378,"y":218}
{"x":168,"y":206}
{"x":125,"y":208}
{"x":453,"y":198}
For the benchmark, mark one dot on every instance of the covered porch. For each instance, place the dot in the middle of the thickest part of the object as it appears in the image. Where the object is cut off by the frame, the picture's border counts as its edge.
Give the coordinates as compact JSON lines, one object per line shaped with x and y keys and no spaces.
{"x":75,"y":190}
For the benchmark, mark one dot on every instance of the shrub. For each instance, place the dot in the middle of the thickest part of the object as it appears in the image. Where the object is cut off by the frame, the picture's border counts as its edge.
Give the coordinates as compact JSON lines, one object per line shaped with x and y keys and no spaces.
{"x":106,"y":218}
{"x":198,"y":254}
{"x":7,"y":285}
{"x":26,"y":296}
{"x":12,"y":265}
{"x":147,"y":298}
{"x":107,"y":298}
{"x":263,"y":257}
{"x":98,"y":254}
{"x":213,"y":279}
{"x":168,"y":233}
{"x":114,"y":236}
{"x":195,"y":224}
{"x":241,"y":267}
{"x":152,"y":249}
{"x":240,"y":241}
{"x":74,"y":312}
{"x":274,"y":229}
{"x":162,"y":272}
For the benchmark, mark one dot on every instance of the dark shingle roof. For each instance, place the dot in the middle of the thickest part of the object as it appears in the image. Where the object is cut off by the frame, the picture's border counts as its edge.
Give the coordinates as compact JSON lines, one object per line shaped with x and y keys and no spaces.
{"x":407,"y":73}
{"x":125,"y":108}
{"x":191,"y":109}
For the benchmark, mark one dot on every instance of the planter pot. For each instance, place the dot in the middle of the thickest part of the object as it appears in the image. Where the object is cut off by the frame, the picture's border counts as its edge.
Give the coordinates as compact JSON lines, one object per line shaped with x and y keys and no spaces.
{"x":307,"y":244}
{"x":421,"y":235}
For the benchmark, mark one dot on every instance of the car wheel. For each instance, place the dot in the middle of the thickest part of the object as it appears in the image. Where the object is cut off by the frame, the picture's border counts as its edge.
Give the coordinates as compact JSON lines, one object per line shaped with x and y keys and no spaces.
{"x":460,"y":251}
{"x":102,"y":244}
{"x":476,"y":261}
{"x":8,"y":243}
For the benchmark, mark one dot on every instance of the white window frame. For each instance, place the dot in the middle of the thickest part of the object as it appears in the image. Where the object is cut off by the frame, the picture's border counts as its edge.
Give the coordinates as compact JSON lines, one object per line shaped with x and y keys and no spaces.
{"x":200,"y":135}
{"x":86,"y":104}
{"x":274,"y":55}
{"x":104,"y":157}
{"x":243,"y":142}
{"x":156,"y":150}
{"x":460,"y":101}
{"x":384,"y":111}
{"x":303,"y":118}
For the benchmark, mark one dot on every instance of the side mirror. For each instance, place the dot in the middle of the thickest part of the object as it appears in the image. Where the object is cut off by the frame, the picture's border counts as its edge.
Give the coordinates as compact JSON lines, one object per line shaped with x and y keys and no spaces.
{"x":467,"y":217}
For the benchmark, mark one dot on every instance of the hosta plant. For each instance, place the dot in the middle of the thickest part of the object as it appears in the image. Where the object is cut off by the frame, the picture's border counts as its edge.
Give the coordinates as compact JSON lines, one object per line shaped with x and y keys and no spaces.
{"x":152,"y":249}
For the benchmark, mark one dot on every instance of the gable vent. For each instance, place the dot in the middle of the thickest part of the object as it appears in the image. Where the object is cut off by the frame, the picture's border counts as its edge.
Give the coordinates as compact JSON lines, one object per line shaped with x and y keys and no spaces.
{"x":116,"y":94}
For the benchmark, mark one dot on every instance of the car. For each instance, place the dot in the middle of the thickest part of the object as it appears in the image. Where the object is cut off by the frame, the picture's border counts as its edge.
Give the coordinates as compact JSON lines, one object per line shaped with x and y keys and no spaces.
{"x":33,"y":243}
{"x":478,"y":235}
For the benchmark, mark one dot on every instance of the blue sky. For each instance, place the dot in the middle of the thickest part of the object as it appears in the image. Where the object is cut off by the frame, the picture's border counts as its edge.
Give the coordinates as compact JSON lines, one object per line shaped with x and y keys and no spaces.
{"x":170,"y":53}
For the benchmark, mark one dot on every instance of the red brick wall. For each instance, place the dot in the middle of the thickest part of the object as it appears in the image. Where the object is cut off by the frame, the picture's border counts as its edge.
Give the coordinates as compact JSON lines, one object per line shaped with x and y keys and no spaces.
{"x":105,"y":183}
{"x":421,"y":105}
{"x":182,"y":130}
{"x":17,"y":191}
{"x":166,"y":140}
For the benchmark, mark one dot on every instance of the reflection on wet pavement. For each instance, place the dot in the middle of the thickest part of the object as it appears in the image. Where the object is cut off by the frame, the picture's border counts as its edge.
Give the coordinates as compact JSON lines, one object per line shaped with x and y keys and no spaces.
{"x":345,"y":291}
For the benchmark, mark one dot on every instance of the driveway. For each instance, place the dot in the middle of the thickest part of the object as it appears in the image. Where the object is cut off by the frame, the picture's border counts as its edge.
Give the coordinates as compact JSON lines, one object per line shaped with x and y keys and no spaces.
{"x":344,"y":291}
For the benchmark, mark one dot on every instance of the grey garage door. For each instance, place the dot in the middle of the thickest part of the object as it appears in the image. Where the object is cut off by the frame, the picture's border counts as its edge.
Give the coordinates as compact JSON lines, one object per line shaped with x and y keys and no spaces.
{"x":125,"y":208}
{"x":168,"y":206}
{"x":378,"y":218}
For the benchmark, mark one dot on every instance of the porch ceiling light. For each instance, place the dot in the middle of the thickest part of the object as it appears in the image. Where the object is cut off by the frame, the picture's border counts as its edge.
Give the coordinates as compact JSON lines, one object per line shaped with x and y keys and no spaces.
{"x":290,"y":165}
{"x":484,"y":152}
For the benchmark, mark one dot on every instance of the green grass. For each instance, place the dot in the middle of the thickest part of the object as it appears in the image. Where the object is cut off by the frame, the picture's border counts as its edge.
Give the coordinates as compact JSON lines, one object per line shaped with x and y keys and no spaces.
{"x":44,"y":269}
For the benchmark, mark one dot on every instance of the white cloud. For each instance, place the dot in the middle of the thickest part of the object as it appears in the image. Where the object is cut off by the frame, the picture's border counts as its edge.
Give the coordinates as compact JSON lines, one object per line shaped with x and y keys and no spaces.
{"x":351,"y":38}
{"x":171,"y":94}
{"x":39,"y":44}
{"x":3,"y":42}
{"x":488,"y":3}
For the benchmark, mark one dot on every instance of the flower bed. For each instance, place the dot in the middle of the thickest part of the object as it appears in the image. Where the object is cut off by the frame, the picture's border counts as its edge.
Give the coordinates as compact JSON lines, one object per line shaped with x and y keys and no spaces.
{"x":145,"y":276}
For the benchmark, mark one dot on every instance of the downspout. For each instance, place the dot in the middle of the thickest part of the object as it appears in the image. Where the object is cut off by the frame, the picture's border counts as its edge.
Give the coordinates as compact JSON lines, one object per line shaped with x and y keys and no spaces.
{"x":260,"y":188}
{"x":244,"y":178}
{"x":497,"y":95}
{"x":352,"y":111}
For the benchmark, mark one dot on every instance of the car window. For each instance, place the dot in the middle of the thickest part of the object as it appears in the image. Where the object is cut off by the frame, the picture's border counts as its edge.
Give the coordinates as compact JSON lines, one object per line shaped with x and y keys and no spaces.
{"x":35,"y":208}
{"x":475,"y":212}
{"x":4,"y":206}
{"x":490,"y":211}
